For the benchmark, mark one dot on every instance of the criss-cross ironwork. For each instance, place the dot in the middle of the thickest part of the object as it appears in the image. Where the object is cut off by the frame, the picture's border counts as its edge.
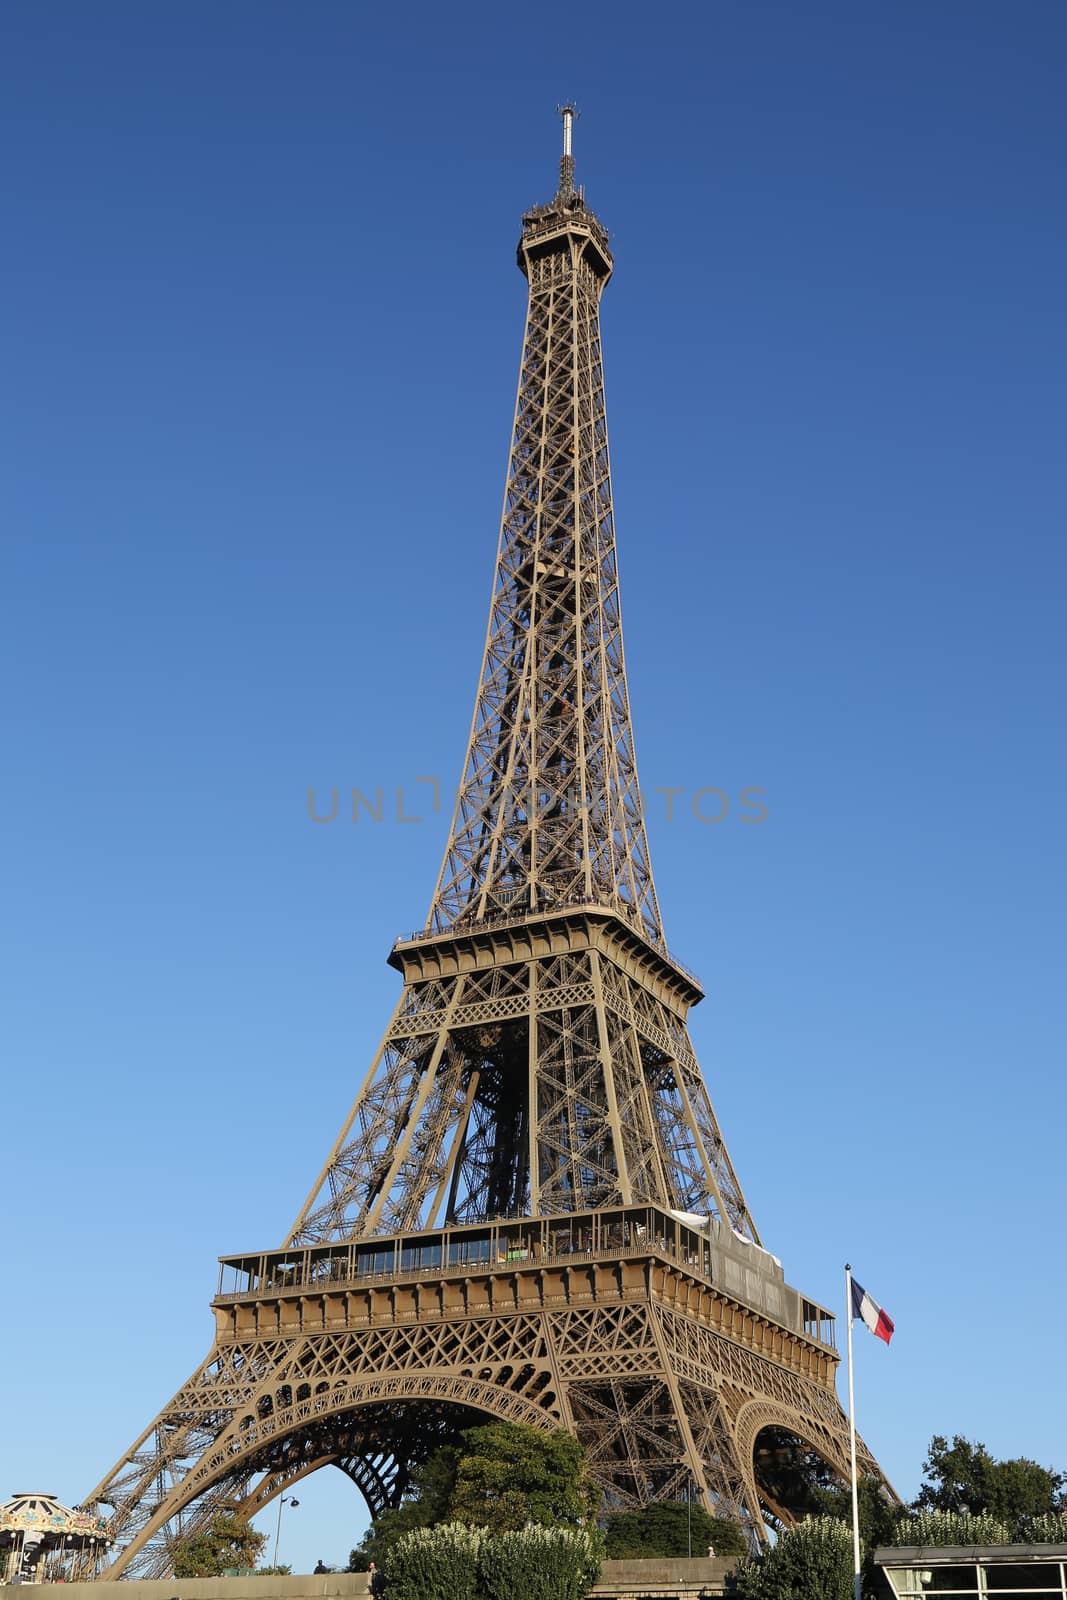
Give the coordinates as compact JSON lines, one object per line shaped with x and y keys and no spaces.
{"x":549,"y":811}
{"x":530,"y":1212}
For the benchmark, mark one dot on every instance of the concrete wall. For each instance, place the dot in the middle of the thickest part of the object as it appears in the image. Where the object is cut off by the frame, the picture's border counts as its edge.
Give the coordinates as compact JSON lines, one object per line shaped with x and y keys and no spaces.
{"x":620,"y":1580}
{"x":329,"y":1586}
{"x":678,"y":1580}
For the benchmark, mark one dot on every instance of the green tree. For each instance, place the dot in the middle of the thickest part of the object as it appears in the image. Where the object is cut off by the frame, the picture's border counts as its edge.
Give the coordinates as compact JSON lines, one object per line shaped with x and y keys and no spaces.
{"x":963,"y":1477}
{"x":499,"y":1475}
{"x":428,"y":1503}
{"x":396,"y":1522}
{"x":879,"y":1512}
{"x":1022,"y":1489}
{"x":812,"y":1561}
{"x":509,"y":1475}
{"x":663,"y":1529}
{"x":227,"y":1541}
{"x":879,"y":1519}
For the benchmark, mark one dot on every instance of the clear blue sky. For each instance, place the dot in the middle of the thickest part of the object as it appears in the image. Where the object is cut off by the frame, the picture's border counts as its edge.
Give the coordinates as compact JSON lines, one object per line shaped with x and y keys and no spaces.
{"x":261,"y":331}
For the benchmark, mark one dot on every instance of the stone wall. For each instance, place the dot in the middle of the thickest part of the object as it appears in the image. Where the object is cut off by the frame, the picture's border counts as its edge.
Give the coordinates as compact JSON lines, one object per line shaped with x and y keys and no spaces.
{"x":328,"y":1586}
{"x":620,"y":1580}
{"x":699,"y":1579}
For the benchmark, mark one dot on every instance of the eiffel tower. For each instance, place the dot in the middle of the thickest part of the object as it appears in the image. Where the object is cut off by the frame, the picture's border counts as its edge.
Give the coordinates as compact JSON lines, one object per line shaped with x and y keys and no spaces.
{"x":530,"y":1213}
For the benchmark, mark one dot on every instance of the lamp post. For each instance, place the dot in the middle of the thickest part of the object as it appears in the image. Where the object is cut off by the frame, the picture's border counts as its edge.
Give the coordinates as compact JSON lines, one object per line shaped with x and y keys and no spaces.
{"x":689,"y":1514}
{"x":283,"y":1499}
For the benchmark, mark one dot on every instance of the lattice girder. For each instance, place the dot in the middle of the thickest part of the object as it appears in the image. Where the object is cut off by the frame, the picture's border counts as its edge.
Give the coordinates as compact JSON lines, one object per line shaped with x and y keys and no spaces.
{"x":658,"y":1374}
{"x":559,"y":1082}
{"x":549,"y":809}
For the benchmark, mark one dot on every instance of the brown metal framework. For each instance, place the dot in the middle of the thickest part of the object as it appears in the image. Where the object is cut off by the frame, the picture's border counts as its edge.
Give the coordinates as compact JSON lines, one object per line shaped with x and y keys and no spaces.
{"x":530,"y":1212}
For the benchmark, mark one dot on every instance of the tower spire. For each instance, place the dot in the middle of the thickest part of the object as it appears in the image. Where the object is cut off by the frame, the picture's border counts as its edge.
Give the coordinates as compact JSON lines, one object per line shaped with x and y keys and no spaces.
{"x":566,"y":166}
{"x":549,"y":810}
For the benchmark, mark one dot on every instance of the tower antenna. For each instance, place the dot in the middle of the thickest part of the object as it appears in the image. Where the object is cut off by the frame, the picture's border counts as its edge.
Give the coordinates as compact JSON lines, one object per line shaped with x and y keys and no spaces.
{"x":569,"y":113}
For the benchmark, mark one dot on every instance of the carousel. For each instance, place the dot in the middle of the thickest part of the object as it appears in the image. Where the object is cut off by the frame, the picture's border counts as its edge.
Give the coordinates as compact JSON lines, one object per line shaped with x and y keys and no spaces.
{"x":41,"y":1541}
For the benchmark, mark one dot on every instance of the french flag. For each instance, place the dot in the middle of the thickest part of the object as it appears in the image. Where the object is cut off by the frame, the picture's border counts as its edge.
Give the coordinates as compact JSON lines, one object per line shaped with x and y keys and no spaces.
{"x":870,"y":1313}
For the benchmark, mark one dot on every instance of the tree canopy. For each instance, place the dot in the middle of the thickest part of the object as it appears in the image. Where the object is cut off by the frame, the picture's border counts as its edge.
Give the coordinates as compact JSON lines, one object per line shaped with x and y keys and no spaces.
{"x":499,"y":1475}
{"x":227,"y":1542}
{"x":508,"y":1476}
{"x":663,"y":1529}
{"x":964,"y":1477}
{"x":879,"y":1511}
{"x":505,"y":1477}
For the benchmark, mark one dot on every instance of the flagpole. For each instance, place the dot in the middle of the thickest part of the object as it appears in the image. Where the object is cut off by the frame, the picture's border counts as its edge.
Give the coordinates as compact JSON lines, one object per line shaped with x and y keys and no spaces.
{"x":857,"y":1576}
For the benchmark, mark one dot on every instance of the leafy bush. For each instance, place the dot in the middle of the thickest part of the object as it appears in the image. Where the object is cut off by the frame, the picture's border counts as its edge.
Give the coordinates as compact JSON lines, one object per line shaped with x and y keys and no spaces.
{"x":435,"y":1563}
{"x":1049,"y":1529}
{"x":952,"y":1527}
{"x":812,"y":1561}
{"x":457,"y":1562}
{"x":537,"y":1563}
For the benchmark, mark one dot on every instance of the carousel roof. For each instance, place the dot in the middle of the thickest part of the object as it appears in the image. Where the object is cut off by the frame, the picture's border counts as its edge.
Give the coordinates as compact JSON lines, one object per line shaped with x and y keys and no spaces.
{"x":42,"y":1514}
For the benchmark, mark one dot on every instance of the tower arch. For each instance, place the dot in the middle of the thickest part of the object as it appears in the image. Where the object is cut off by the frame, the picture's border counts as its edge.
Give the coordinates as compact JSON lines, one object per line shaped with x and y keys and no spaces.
{"x":376,"y":1432}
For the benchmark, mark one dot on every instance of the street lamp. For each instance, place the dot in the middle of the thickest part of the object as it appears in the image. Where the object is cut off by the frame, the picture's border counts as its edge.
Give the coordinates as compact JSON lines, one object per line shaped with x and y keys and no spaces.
{"x":283,"y":1499}
{"x":689,"y":1513}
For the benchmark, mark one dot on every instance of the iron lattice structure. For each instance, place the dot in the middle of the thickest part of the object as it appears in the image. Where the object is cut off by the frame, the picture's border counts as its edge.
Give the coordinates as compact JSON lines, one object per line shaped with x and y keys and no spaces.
{"x":530,"y":1212}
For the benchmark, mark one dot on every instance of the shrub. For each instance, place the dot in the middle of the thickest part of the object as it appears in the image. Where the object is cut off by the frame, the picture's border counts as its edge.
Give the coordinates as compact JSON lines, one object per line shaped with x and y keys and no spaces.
{"x":535,"y":1563}
{"x":812,"y":1561}
{"x":952,"y":1527}
{"x":1049,"y":1529}
{"x":435,"y":1563}
{"x":670,"y":1528}
{"x":226,"y":1541}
